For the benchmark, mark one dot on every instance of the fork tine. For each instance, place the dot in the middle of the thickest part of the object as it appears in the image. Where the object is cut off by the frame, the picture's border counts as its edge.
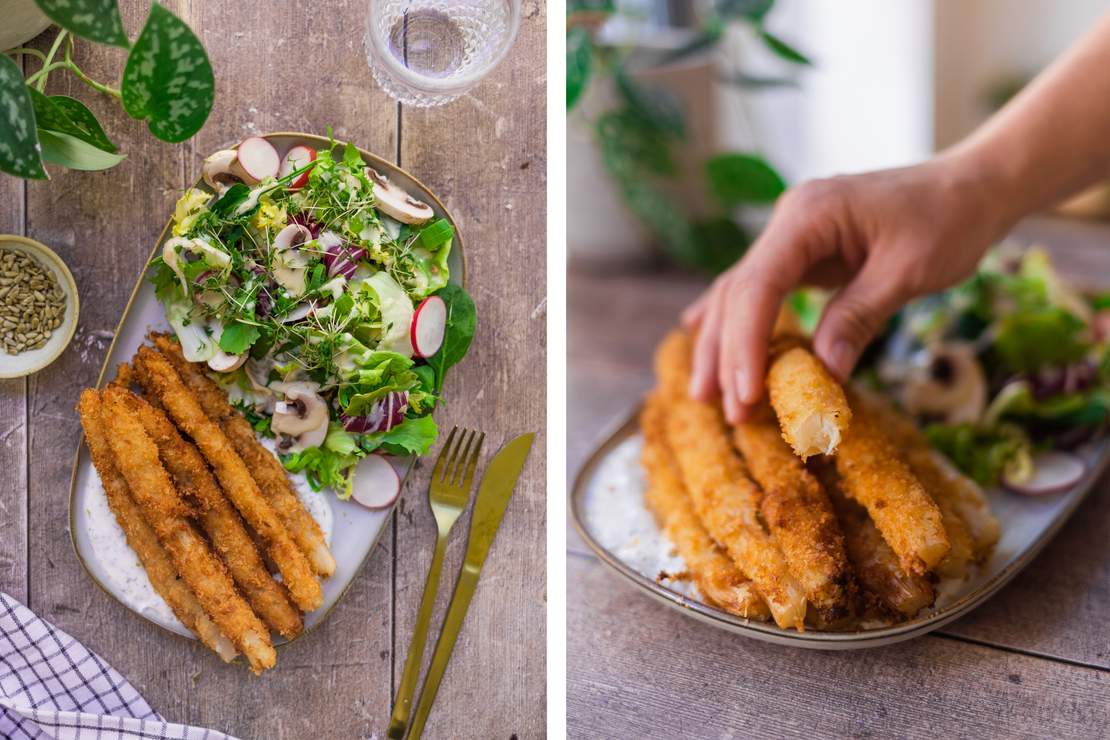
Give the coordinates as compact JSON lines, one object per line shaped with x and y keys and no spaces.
{"x":460,"y":459}
{"x":444,"y":455}
{"x":472,"y":463}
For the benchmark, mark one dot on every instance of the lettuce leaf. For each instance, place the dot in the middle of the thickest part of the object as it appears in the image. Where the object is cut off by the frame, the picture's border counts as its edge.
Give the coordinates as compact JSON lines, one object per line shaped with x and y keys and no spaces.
{"x":413,"y":436}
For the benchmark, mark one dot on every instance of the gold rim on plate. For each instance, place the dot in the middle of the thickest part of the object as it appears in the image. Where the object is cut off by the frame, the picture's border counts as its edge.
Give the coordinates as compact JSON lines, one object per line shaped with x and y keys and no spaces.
{"x":457,"y":247}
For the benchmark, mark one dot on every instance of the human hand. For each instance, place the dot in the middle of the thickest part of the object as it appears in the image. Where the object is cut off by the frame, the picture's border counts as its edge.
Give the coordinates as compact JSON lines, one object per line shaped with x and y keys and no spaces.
{"x":882,"y":238}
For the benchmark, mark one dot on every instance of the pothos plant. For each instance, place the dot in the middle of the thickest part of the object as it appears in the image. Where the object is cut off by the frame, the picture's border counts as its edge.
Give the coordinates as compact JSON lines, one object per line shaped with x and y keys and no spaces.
{"x":637,"y":138}
{"x":167,"y":82}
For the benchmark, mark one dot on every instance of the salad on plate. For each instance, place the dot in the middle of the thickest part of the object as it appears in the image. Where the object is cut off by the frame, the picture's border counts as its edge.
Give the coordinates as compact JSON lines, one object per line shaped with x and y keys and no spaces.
{"x":318,"y":294}
{"x":1009,"y":372}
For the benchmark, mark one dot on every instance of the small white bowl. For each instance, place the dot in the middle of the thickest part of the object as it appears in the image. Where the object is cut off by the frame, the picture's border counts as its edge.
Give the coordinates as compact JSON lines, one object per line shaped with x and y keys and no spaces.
{"x":25,"y":363}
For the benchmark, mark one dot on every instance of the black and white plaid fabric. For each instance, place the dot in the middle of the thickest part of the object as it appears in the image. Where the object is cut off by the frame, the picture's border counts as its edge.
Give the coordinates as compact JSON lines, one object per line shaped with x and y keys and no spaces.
{"x":51,"y":686}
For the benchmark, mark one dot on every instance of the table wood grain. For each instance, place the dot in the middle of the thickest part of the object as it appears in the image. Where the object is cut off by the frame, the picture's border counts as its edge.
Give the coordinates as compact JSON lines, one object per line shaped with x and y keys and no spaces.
{"x":303,"y":69}
{"x":1034,"y":661}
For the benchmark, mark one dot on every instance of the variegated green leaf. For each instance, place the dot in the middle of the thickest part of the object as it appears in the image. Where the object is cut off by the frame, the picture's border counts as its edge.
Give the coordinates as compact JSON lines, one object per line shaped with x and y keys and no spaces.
{"x":19,"y":146}
{"x":96,"y":20}
{"x":168,"y":80}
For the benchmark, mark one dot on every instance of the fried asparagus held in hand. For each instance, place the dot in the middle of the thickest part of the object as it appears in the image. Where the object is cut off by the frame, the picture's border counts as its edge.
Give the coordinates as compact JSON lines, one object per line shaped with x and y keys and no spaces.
{"x":809,"y":403}
{"x":799,"y":516}
{"x":220,"y":522}
{"x":141,"y":538}
{"x":876,"y":566}
{"x":266,"y":469}
{"x":137,"y":459}
{"x":872,"y":473}
{"x":721,"y":584}
{"x":724,"y":497}
{"x":161,"y":381}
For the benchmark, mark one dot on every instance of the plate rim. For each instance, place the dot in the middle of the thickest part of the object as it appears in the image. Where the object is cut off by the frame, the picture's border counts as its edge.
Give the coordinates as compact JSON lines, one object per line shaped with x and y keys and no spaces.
{"x":626,"y":426}
{"x":371,"y":159}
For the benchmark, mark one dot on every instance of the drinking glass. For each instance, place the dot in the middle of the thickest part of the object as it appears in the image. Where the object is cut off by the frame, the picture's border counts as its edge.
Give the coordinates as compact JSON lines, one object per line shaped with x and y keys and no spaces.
{"x":429,"y":52}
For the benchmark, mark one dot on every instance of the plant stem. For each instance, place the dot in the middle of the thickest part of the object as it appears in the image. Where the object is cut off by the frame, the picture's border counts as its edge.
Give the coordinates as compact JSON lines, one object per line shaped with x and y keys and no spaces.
{"x":27,"y":51}
{"x":98,"y":86}
{"x":43,"y":73}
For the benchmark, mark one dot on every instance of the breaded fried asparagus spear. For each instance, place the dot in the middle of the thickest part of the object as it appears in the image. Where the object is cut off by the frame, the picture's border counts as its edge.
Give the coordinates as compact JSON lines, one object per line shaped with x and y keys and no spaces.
{"x":161,"y":381}
{"x":220,"y":522}
{"x":721,"y":584}
{"x":809,"y":403}
{"x":266,"y":469}
{"x":799,"y":516}
{"x":872,"y":473}
{"x":154,"y":558}
{"x":877,"y":567}
{"x":724,"y":497}
{"x":955,"y":493}
{"x":136,"y":457}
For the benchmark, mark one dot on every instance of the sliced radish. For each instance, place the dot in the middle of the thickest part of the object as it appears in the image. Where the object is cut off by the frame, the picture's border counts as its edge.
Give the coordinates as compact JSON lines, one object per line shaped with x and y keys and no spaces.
{"x":376,"y":484}
{"x":1053,"y":471}
{"x":294,"y":159}
{"x":298,"y":312}
{"x":256,"y":159}
{"x":428,"y":326}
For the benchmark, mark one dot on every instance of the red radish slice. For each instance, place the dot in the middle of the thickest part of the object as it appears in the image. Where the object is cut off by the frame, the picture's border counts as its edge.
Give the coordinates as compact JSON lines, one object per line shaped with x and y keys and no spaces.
{"x":256,"y":159}
{"x":376,"y":484}
{"x":429,"y":323}
{"x":294,"y":159}
{"x":1053,"y":471}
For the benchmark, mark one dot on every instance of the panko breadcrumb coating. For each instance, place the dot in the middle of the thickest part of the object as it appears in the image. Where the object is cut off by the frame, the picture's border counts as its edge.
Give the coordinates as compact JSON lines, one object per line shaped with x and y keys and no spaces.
{"x":877,"y":568}
{"x":721,"y":584}
{"x":811,"y":407}
{"x":155,"y":560}
{"x":799,"y":516}
{"x":872,"y":472}
{"x":953,"y":490}
{"x":220,"y":522}
{"x":161,"y":381}
{"x":725,"y":499}
{"x":266,"y":469}
{"x":136,"y":457}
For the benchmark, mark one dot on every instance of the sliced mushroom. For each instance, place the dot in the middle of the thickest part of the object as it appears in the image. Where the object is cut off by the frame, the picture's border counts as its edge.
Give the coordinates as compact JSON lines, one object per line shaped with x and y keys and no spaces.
{"x":218,"y":170}
{"x":222,"y":362}
{"x":290,"y":261}
{"x":301,"y":420}
{"x":950,"y":385}
{"x":395,"y":202}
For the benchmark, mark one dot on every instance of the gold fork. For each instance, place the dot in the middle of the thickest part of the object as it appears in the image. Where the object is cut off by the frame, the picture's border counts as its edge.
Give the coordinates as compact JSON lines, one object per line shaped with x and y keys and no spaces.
{"x":447,"y":496}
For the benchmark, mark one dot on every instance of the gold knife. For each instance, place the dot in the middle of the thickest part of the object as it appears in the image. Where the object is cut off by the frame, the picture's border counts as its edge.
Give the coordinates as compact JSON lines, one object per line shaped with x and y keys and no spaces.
{"x":497,"y":487}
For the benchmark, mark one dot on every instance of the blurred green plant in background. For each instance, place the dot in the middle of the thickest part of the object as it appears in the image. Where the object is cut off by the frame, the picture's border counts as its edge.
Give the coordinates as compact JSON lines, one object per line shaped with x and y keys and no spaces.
{"x":638,"y":137}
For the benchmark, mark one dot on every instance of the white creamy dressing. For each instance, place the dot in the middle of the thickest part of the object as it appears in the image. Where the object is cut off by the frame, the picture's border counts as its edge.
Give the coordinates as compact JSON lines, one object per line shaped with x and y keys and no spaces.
{"x":126,"y":576}
{"x":620,"y":521}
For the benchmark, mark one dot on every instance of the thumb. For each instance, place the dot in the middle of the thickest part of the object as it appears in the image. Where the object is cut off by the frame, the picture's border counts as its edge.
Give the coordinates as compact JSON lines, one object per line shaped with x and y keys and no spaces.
{"x":854,"y":316}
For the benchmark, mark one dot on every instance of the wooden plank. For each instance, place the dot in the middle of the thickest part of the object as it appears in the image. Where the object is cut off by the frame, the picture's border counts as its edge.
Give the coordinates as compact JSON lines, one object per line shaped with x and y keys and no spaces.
{"x":1058,"y":605}
{"x":638,"y":669}
{"x":484,"y":155}
{"x":13,"y":435}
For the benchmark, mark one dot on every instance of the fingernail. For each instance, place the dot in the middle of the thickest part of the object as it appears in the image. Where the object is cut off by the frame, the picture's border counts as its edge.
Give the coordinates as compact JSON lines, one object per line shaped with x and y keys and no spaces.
{"x":743,"y":389}
{"x":730,"y":408}
{"x":840,"y":359}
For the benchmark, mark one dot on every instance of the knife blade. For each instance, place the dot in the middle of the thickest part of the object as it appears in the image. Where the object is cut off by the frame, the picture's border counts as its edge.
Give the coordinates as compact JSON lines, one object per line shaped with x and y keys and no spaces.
{"x":497,"y":487}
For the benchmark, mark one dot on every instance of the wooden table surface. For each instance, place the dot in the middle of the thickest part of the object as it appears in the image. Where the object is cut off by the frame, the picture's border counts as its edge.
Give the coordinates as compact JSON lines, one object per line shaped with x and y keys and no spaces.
{"x":1034,"y":661}
{"x":302,"y":69}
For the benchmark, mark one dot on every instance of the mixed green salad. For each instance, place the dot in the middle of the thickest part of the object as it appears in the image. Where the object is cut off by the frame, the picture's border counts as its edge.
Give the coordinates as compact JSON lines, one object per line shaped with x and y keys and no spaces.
{"x":317,"y":292}
{"x":1005,"y":371}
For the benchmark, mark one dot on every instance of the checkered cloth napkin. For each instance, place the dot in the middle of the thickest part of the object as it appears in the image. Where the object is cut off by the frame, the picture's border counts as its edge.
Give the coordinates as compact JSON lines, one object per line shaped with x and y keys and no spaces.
{"x":52,"y":686}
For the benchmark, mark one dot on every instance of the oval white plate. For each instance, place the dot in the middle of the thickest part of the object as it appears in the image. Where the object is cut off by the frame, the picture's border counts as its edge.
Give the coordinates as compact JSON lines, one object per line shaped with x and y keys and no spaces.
{"x":632,"y":545}
{"x":356,"y":529}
